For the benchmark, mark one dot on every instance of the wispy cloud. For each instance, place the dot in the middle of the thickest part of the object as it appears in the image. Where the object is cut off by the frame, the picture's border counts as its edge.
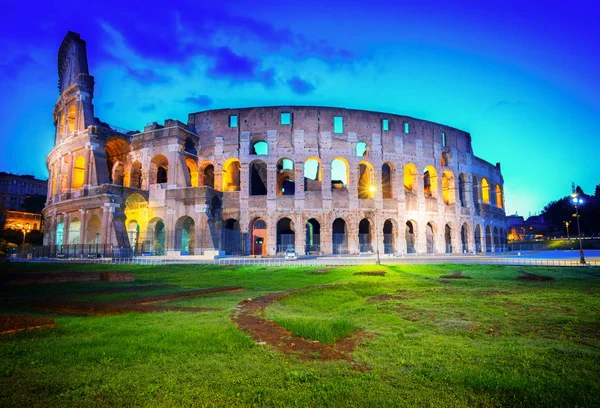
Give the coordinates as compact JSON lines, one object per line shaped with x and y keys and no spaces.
{"x":300,"y":86}
{"x":200,"y":101}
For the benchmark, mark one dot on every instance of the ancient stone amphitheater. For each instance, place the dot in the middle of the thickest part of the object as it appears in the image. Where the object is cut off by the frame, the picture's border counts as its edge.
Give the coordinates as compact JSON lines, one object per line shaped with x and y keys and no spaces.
{"x":257,"y":181}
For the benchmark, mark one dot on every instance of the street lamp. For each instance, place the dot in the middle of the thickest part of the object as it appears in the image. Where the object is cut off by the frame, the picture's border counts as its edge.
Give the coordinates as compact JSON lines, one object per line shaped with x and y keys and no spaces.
{"x":24,"y":229}
{"x":567,"y":224}
{"x":577,"y":201}
{"x":372,"y":190}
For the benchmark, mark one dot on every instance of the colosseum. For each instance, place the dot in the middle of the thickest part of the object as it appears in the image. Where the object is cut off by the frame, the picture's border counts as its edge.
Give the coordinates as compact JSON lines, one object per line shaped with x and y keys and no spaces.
{"x":257,"y":181}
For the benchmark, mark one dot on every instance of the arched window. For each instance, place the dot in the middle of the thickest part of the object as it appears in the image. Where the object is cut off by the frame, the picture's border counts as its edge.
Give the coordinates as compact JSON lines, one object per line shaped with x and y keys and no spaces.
{"x":312,"y":175}
{"x":485,"y":191}
{"x":410,"y":177}
{"x":339,"y":174}
{"x":71,"y":117}
{"x":192,"y":168}
{"x":286,"y":177}
{"x":448,"y":188}
{"x":190,"y":146}
{"x":160,"y":166}
{"x":231,"y":175}
{"x":78,"y":172}
{"x":366,"y":185}
{"x":430,"y":184}
{"x":462,"y":189}
{"x":209,"y":176}
{"x":499,"y":198}
{"x":387,"y":190}
{"x":258,"y":178}
{"x":136,"y":175}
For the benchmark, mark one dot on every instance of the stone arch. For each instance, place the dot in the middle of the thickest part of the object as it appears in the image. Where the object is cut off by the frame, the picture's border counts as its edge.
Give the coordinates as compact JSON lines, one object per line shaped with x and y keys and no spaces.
{"x":464,"y":238}
{"x":365,"y":236}
{"x":499,"y":197}
{"x":135,"y":179}
{"x":71,"y":117}
{"x":189,"y":146}
{"x":159,"y":169}
{"x":390,"y":232}
{"x":93,"y":229}
{"x":207,"y":171}
{"x":448,"y":237}
{"x":430,"y":232}
{"x":312,"y":174}
{"x":497,"y":244}
{"x":448,"y":187}
{"x":477,"y":238}
{"x":430,"y":183}
{"x":116,"y":151}
{"x":410,"y":236}
{"x":118,"y":173}
{"x":388,"y":171}
{"x":156,"y":234}
{"x":74,"y":231}
{"x":286,"y":234}
{"x":485,"y":191}
{"x":339,"y":173}
{"x":313,"y":236}
{"x":488,"y":239}
{"x":231,"y":175}
{"x":133,"y":233}
{"x":78,"y":172}
{"x":258,"y":178}
{"x":59,"y":234}
{"x":286,"y":177}
{"x":258,"y":232}
{"x":366,"y":180}
{"x":231,"y":237}
{"x":339,"y":236}
{"x":462,"y":189}
{"x":185,"y":235}
{"x":446,"y":159}
{"x":192,"y":168}
{"x":410,"y":177}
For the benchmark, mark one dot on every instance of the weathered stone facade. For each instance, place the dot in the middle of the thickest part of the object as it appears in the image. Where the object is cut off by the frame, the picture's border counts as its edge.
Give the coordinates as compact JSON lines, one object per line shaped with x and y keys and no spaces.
{"x":260,"y":180}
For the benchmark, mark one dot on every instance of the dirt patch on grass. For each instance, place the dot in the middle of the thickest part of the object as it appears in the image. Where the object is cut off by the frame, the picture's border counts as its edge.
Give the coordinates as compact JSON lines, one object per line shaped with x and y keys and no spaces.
{"x":400,"y":295}
{"x":16,"y":323}
{"x":20,"y":279}
{"x":492,"y":292}
{"x":370,"y":273}
{"x":324,"y":271}
{"x":266,"y":332}
{"x":145,"y":304}
{"x":455,"y":275}
{"x":532,"y":277}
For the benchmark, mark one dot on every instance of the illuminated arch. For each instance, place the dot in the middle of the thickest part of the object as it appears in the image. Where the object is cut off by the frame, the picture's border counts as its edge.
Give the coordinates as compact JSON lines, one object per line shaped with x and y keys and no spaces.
{"x":366,"y":182}
{"x":339,"y":173}
{"x":71,"y":118}
{"x":448,"y":187}
{"x":94,"y":230}
{"x":159,"y":169}
{"x":78,"y":173}
{"x":410,"y":177}
{"x":231,"y":175}
{"x":499,"y":197}
{"x":258,"y":232}
{"x":286,"y":177}
{"x":207,"y":170}
{"x":485,"y":191}
{"x":430,"y":183}
{"x":387,"y":180}
{"x":75,"y":231}
{"x":192,"y":168}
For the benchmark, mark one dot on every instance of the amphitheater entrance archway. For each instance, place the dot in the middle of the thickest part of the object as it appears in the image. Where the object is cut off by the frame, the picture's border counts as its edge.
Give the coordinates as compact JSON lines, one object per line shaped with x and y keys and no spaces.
{"x":259,"y":237}
{"x":364,"y":236}
{"x":488,"y":239}
{"x":185,"y":235}
{"x":133,"y":233}
{"x":477,"y":239}
{"x":157,"y":233}
{"x":60,"y":228}
{"x":464,"y":240}
{"x":74,"y":231}
{"x":389,"y":238}
{"x":313,"y":236}
{"x":286,"y":235}
{"x":231,"y":237}
{"x":448,"y":238}
{"x":409,"y":236}
{"x":496,"y":240}
{"x":93,"y":231}
{"x":430,"y":238}
{"x":339,"y":237}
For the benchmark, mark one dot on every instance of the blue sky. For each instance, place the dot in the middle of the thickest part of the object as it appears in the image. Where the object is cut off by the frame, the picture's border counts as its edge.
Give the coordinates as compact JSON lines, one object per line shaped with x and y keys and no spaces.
{"x":523,"y":79}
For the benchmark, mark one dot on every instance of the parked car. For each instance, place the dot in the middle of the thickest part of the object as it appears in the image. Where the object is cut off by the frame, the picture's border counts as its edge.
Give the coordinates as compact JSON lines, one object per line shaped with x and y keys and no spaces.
{"x":291,"y":254}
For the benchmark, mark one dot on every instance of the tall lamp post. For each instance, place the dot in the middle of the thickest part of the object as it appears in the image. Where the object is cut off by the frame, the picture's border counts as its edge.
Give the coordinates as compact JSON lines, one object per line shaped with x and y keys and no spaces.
{"x":567,"y":224}
{"x":577,"y":201}
{"x":24,"y":229}
{"x":372,"y":190}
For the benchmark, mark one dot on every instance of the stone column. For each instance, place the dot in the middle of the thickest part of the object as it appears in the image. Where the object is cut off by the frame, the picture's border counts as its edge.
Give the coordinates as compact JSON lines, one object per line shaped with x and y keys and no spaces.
{"x":83,"y":230}
{"x":66,"y":226}
{"x":300,"y":234}
{"x":106,"y":219}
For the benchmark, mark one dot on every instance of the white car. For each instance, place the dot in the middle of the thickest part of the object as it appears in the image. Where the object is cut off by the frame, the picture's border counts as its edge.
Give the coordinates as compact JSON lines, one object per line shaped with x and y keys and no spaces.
{"x":290,"y":254}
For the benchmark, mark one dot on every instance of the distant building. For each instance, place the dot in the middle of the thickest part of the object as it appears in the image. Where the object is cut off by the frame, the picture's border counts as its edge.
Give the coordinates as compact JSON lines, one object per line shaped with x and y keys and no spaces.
{"x":14,"y":188}
{"x":520,"y":229}
{"x":20,"y":220}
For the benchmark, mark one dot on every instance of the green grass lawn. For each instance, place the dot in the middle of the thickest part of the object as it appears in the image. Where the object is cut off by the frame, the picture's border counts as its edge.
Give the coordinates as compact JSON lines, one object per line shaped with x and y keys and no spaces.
{"x":486,"y":341}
